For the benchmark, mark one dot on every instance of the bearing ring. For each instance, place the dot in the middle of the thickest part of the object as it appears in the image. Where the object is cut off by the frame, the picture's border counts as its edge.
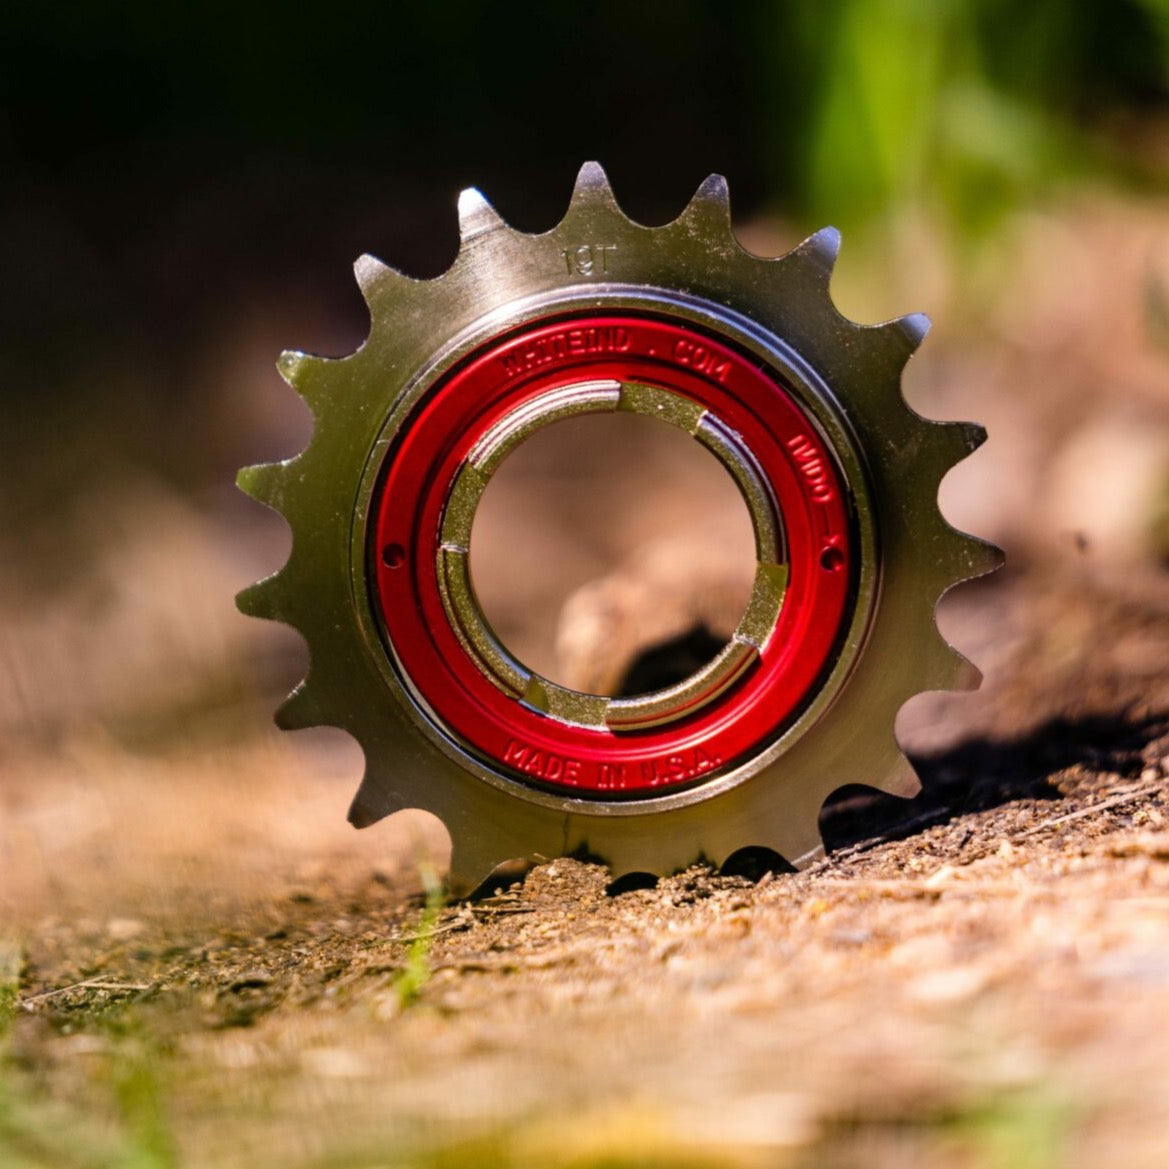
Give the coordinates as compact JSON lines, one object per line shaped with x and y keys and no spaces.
{"x":521,"y":724}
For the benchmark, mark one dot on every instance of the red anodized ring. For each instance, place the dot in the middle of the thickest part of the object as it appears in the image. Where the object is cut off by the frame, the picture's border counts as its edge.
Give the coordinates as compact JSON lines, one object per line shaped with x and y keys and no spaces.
{"x":415,"y":482}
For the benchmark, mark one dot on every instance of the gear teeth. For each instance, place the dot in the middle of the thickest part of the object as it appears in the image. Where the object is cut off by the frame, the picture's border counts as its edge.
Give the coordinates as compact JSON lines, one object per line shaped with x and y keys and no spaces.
{"x":821,"y":249}
{"x":798,"y":841}
{"x":973,"y":435}
{"x":265,"y":483}
{"x":959,"y":440}
{"x":901,"y":780}
{"x":372,"y":803}
{"x":978,"y":557}
{"x":964,"y":675}
{"x":375,"y":278}
{"x":292,"y":365}
{"x":710,"y":209}
{"x":298,"y":710}
{"x":913,"y":328}
{"x":471,"y":864}
{"x":896,"y":341}
{"x":630,"y":857}
{"x":306,"y":373}
{"x":476,"y":215}
{"x":258,"y":600}
{"x":952,"y":670}
{"x":592,"y":188}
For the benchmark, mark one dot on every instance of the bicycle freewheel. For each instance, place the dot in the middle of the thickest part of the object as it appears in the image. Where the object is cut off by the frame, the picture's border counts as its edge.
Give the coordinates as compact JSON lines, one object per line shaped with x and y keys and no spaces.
{"x":748,"y":356}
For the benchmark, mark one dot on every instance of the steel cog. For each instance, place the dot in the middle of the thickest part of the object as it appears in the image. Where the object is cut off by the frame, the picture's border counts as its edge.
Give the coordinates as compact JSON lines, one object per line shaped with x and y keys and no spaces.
{"x":749,"y":356}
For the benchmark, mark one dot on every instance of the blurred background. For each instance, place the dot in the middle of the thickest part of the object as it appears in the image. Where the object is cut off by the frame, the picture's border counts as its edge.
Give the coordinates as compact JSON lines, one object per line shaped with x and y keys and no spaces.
{"x":185,"y":189}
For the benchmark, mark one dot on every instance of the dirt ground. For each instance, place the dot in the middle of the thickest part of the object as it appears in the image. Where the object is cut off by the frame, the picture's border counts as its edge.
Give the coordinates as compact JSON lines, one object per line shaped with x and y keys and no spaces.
{"x":976,"y":977}
{"x":202,"y":965}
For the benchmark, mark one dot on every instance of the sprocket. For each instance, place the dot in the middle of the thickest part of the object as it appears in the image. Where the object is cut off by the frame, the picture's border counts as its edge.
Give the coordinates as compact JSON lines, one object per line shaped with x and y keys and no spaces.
{"x":749,"y":356}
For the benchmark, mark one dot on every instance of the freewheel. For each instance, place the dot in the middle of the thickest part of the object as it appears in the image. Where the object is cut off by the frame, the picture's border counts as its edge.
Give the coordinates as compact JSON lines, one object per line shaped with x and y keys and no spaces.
{"x":748,"y":356}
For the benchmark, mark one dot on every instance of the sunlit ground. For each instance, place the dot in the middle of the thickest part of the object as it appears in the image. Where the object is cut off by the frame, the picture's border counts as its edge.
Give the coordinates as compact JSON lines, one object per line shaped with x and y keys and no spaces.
{"x":203,"y":964}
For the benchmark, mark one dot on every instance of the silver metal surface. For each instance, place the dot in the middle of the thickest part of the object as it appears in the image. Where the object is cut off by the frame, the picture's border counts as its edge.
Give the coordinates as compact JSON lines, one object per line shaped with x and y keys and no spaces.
{"x":847,"y":379}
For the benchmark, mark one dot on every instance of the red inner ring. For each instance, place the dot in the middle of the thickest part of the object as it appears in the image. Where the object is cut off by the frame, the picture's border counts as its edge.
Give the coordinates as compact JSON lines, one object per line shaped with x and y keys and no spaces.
{"x":416,"y":478}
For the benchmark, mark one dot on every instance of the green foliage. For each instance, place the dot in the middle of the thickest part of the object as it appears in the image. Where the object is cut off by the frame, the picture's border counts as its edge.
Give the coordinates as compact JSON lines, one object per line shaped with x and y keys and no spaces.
{"x":965,"y":108}
{"x":11,"y":961}
{"x":141,"y":1104}
{"x":129,"y":1129}
{"x":1029,"y":1129}
{"x":416,"y":973}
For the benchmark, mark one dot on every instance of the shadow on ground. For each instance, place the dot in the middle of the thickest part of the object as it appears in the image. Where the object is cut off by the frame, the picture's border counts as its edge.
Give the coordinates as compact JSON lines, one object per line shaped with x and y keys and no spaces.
{"x":985,"y":773}
{"x":980,"y":774}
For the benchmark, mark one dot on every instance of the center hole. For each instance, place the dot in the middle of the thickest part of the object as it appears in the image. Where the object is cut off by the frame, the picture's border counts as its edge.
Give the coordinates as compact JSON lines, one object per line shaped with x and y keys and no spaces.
{"x":612,"y":554}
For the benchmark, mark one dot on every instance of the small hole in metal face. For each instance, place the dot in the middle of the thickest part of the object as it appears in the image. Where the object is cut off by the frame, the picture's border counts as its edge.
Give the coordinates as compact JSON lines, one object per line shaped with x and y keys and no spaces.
{"x":832,"y":559}
{"x":393,"y":555}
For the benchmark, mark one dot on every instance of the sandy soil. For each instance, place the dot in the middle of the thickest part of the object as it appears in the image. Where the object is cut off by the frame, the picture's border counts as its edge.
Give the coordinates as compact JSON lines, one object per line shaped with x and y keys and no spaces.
{"x":202,"y":965}
{"x":212,"y":970}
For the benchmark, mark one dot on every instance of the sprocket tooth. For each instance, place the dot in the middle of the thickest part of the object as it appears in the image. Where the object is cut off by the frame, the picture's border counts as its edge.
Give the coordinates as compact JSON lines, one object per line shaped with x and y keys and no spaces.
{"x":472,"y":862}
{"x":710,"y":208}
{"x":892,"y":343}
{"x":259,"y":600}
{"x":976,"y":557}
{"x":373,"y":802}
{"x":299,"y":710}
{"x":264,"y":482}
{"x":296,"y":368}
{"x":958,"y":440}
{"x":820,"y":250}
{"x":910,"y":331}
{"x":798,"y":842}
{"x":901,"y":780}
{"x":592,"y":189}
{"x":624,"y":857}
{"x":950,"y":669}
{"x":964,"y":674}
{"x":376,"y":279}
{"x":476,"y":215}
{"x":973,"y":435}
